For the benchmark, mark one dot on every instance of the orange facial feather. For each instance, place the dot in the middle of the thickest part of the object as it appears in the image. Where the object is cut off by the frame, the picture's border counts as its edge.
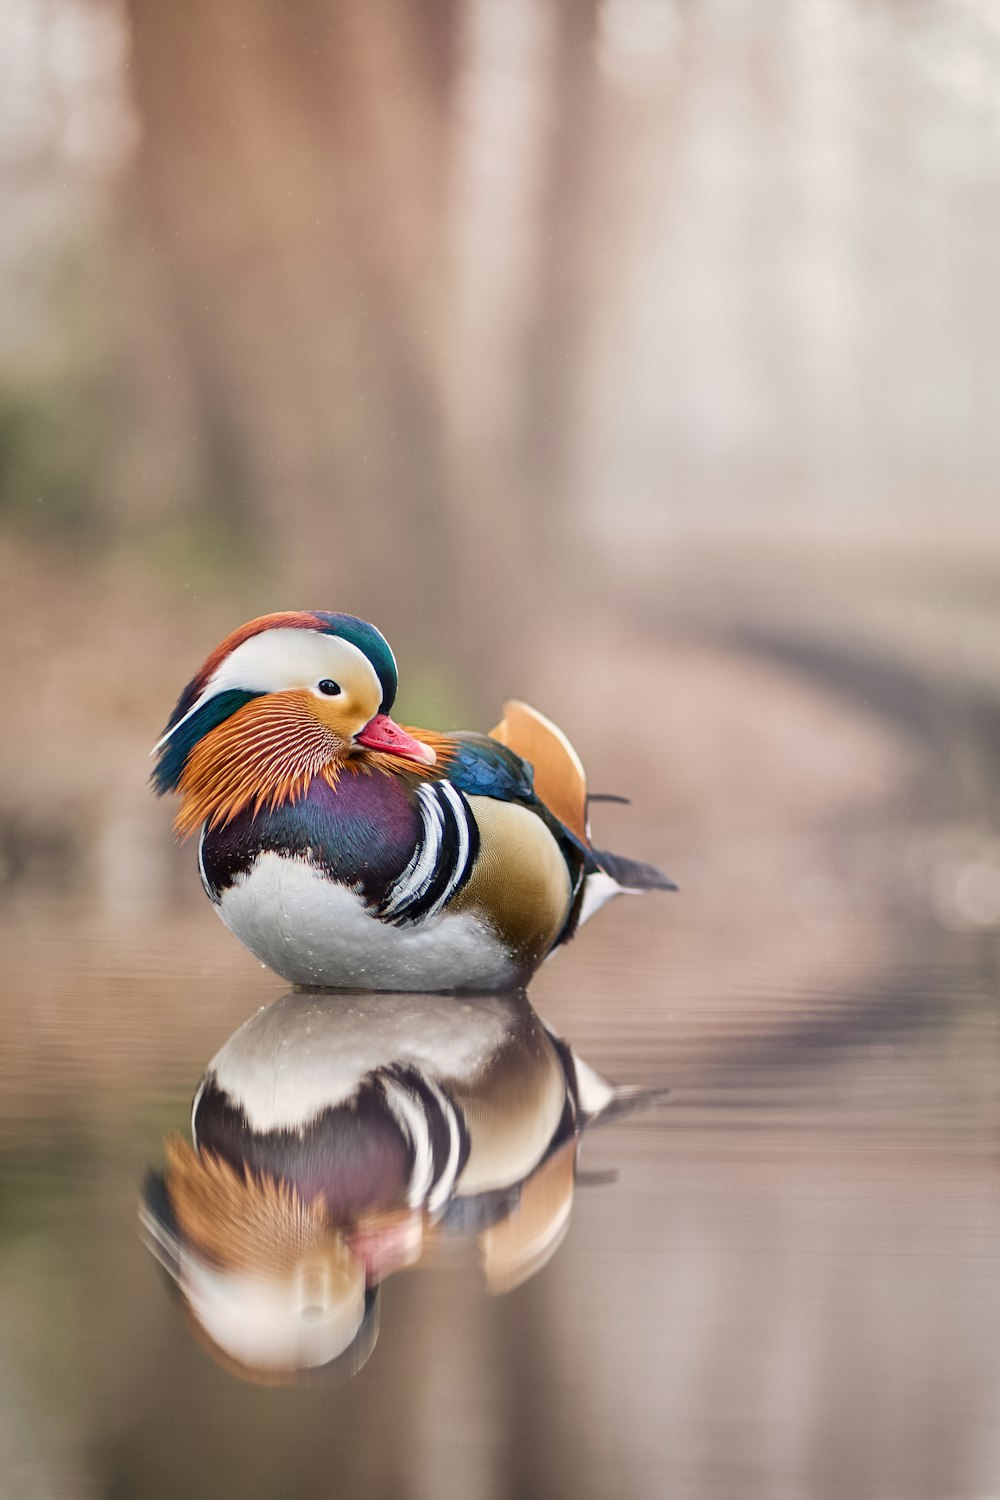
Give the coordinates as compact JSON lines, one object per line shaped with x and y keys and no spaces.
{"x":268,"y":752}
{"x":265,"y":753}
{"x":235,"y":1219}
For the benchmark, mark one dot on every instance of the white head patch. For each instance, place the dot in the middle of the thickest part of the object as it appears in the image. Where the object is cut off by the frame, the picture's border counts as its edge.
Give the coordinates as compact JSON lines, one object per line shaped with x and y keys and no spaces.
{"x":284,"y":658}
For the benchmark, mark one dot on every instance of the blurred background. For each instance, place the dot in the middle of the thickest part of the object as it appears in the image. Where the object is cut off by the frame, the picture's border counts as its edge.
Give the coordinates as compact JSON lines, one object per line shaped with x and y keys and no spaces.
{"x":640,"y":358}
{"x":556,"y":336}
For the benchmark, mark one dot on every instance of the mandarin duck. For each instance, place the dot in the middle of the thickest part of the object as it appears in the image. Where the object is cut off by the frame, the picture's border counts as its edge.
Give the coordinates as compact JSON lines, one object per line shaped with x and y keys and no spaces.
{"x":347,"y":852}
{"x":337,"y":1143}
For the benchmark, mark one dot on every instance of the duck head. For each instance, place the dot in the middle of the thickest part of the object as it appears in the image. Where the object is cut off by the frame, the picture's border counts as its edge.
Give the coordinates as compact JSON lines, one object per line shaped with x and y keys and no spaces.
{"x":283,"y":699}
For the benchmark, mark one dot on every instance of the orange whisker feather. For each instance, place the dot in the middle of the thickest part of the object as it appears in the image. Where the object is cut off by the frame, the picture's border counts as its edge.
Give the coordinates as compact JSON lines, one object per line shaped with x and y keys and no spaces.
{"x":269,"y":752}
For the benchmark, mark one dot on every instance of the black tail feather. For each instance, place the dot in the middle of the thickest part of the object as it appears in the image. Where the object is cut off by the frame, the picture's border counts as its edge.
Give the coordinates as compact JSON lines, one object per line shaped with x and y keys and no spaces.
{"x":630,"y":1098}
{"x":632,"y":873}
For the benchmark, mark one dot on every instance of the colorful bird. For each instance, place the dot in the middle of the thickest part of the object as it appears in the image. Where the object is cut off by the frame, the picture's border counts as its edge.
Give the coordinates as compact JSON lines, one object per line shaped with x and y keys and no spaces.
{"x":347,"y":852}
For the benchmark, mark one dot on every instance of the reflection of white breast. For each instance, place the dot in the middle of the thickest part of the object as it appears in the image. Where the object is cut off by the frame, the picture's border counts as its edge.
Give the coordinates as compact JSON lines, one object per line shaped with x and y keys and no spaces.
{"x":490,"y":1057}
{"x":306,"y":1053}
{"x":311,"y":930}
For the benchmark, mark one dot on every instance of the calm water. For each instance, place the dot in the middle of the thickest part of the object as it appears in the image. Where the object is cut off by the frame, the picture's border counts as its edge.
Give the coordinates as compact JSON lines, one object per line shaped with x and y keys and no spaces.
{"x":783,"y":1280}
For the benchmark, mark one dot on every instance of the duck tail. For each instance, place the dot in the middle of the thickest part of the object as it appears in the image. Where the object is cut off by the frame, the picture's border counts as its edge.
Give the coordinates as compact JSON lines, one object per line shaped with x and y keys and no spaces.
{"x":631,"y":874}
{"x":561,"y":784}
{"x":617,"y":875}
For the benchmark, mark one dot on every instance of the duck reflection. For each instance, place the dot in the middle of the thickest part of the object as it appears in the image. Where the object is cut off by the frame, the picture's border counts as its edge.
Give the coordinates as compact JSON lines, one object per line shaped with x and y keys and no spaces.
{"x":341,"y":1138}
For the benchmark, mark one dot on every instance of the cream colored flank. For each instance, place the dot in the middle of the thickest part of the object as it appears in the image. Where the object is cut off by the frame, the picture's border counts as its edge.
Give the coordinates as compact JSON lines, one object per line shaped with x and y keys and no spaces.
{"x":520,"y":884}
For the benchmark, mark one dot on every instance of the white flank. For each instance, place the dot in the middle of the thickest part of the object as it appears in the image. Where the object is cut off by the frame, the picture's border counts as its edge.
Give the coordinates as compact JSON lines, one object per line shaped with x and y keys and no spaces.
{"x":594,"y":1093}
{"x":311,"y":930}
{"x":598,"y":890}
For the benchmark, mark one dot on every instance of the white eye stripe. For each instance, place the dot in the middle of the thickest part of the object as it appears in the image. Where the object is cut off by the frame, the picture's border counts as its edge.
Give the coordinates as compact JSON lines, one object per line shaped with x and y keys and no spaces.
{"x":281,"y":659}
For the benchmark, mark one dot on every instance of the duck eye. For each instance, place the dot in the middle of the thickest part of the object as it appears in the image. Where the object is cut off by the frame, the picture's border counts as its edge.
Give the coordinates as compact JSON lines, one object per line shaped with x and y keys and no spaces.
{"x":329,"y":688}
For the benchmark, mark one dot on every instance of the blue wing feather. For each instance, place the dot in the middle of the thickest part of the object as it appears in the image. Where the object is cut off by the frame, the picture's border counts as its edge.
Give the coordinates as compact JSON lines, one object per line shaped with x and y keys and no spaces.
{"x":482,"y":767}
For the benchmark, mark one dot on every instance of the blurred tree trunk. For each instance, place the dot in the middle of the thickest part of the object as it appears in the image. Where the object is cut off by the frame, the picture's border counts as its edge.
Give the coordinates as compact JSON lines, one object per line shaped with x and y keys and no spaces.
{"x":287,"y":207}
{"x":524,"y":161}
{"x":312,"y":184}
{"x":566,"y":264}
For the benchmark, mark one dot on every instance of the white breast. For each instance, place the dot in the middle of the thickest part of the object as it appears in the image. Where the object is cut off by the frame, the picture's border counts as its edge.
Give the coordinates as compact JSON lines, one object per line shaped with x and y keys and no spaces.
{"x":313,"y":931}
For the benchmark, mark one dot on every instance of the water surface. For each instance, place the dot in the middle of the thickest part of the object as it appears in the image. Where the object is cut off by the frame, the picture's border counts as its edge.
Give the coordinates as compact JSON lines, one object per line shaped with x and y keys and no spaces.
{"x":783,"y":1280}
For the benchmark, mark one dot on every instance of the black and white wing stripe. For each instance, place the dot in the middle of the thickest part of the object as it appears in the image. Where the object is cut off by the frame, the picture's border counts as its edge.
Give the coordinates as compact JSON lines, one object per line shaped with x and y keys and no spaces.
{"x":442,"y":861}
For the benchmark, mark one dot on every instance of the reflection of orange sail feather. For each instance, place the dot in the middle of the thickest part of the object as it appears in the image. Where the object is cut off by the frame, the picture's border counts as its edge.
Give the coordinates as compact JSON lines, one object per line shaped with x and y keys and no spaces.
{"x":560,"y":780}
{"x":517,"y":1247}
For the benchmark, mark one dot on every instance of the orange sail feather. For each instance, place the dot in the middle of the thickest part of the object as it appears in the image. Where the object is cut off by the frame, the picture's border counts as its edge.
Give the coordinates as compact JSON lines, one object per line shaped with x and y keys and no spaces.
{"x":560,"y":779}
